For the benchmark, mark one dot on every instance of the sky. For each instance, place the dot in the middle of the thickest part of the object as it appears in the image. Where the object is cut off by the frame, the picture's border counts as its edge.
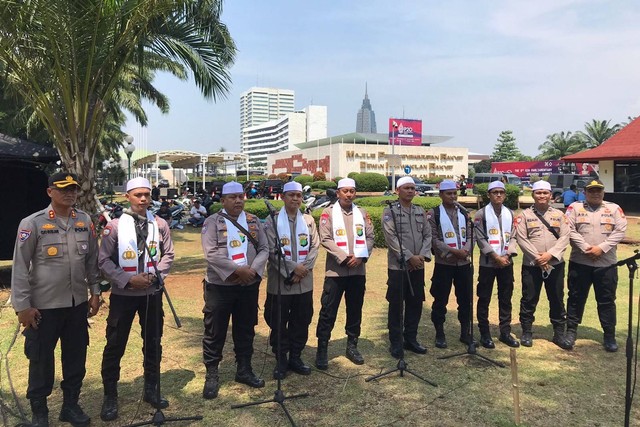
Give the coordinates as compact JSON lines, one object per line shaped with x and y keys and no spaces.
{"x":467,"y":69}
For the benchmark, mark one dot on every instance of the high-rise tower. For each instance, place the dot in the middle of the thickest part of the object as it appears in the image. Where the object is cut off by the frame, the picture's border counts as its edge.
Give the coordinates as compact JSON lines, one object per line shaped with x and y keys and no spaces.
{"x":262,"y":104}
{"x":366,"y":122}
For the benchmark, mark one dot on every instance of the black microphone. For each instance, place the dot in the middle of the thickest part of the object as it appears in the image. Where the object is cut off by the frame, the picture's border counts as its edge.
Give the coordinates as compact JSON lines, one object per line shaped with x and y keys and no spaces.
{"x":462,"y":208}
{"x":272,"y":210}
{"x":389,"y":202}
{"x":129,"y":212}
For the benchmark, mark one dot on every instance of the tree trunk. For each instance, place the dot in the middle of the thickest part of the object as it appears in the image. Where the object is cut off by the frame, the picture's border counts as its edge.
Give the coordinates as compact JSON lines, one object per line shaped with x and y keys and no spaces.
{"x":82,"y":165}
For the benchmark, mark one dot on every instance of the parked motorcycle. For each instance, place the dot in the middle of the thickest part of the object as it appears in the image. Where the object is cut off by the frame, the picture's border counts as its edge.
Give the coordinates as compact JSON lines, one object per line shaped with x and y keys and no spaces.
{"x":321,"y":202}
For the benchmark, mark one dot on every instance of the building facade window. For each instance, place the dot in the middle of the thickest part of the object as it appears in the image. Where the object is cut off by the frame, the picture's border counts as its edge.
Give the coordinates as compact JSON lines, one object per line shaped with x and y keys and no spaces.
{"x":627,"y":177}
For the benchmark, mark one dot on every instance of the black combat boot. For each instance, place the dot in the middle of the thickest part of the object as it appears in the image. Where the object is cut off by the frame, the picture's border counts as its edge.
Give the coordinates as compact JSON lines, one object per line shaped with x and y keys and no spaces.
{"x":352,"y":351}
{"x":322,"y":357}
{"x":526,"y":339}
{"x":465,"y":336}
{"x":297,"y":365}
{"x":150,"y":394}
{"x":71,"y":412}
{"x":570,"y":336}
{"x":610,"y":344}
{"x":559,"y":339}
{"x":39,"y":412}
{"x":211,"y":382}
{"x":441,"y":340}
{"x":280,"y":370}
{"x":245,"y":375}
{"x":109,"y":410}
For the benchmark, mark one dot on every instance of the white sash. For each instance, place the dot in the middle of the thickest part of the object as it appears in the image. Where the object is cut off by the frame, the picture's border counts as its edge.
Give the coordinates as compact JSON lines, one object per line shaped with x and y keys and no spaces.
{"x":237,"y":242}
{"x":302,"y":236}
{"x":449,"y":233}
{"x":340,"y":233}
{"x":499,"y":241}
{"x":128,"y":244}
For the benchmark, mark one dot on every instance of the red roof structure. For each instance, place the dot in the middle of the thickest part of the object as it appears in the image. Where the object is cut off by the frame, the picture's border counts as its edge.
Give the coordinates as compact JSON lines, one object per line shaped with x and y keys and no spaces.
{"x":624,"y":145}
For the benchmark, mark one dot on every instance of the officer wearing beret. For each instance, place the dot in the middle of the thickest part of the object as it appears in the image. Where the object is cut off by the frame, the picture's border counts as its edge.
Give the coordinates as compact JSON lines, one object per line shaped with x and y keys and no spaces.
{"x":596,"y":229}
{"x":236,"y":250}
{"x":543,"y":235}
{"x":135,"y":249}
{"x":299,"y":239}
{"x":55,"y":264}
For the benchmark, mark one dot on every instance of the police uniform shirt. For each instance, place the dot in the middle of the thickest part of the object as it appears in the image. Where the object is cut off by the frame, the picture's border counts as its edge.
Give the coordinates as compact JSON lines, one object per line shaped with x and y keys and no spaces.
{"x":109,"y":260}
{"x":306,"y":284}
{"x":534,"y":237}
{"x":604,"y":226}
{"x":54,"y":261}
{"x":220,"y":268}
{"x":442,"y":251}
{"x":335,"y":255}
{"x":415,"y":232}
{"x":480,"y":233}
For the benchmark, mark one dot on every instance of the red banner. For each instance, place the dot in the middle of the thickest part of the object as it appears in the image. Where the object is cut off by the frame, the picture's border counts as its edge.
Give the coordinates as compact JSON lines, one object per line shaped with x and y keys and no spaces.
{"x":405,"y":132}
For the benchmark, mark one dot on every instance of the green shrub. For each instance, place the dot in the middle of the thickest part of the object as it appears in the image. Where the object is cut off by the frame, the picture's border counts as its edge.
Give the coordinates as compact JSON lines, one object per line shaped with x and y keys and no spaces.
{"x":254,"y":206}
{"x":353,"y":175}
{"x":336,"y":179}
{"x":303,"y":179}
{"x":511,"y":201}
{"x":323,"y":185}
{"x":319,"y":176}
{"x":370,"y":181}
{"x":425,"y":202}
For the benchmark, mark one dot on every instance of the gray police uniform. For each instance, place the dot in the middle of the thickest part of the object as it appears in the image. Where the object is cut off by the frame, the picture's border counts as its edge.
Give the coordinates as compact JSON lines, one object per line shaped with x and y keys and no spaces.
{"x":534,"y":238}
{"x":297,"y":298}
{"x":224,"y":299}
{"x":54,"y":266}
{"x":415,"y":233}
{"x":604,"y":226}
{"x":490,"y":272}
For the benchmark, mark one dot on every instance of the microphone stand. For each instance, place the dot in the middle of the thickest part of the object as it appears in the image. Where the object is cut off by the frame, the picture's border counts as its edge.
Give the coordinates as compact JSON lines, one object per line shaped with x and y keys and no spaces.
{"x":402,"y":366}
{"x":471,"y":349}
{"x":158,"y":417}
{"x":628,"y":393}
{"x":278,"y":396}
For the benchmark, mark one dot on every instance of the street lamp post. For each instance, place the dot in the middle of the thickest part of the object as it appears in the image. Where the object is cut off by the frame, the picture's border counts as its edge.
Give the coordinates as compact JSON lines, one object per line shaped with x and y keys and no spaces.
{"x":129,"y":149}
{"x":109,"y":165}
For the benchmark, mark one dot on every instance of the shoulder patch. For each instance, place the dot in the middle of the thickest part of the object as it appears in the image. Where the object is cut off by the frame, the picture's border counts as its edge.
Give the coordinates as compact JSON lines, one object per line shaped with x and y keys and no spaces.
{"x":106,"y":231}
{"x":204,"y":229}
{"x":621,"y":212}
{"x":23,"y":235}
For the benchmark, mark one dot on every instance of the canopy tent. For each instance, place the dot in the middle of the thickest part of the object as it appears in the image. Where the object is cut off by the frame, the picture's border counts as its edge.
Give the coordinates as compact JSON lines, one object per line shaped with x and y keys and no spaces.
{"x":12,"y":148}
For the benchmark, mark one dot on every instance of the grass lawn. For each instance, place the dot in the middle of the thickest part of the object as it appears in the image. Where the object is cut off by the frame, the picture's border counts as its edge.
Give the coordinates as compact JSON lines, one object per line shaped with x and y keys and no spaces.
{"x":583,"y":387}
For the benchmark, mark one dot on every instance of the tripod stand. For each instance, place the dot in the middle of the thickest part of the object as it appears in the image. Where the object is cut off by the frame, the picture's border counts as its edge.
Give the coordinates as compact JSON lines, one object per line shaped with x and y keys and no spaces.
{"x":278,"y":396}
{"x":628,"y":393}
{"x":402,"y":366}
{"x":158,"y":417}
{"x":471,"y":348}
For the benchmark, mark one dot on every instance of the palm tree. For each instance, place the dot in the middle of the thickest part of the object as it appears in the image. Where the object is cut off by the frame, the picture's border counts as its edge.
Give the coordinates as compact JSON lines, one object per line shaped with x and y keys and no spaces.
{"x":597,"y":132}
{"x":559,"y":145}
{"x":76,"y":64}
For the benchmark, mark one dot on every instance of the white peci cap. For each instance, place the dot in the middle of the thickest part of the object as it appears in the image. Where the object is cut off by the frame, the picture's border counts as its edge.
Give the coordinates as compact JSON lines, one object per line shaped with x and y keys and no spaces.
{"x":292,"y":186}
{"x":138,"y":182}
{"x":447,"y":184}
{"x":541,"y":185}
{"x":232,"y":188}
{"x":346,"y":182}
{"x":495,"y":184}
{"x":404,"y":180}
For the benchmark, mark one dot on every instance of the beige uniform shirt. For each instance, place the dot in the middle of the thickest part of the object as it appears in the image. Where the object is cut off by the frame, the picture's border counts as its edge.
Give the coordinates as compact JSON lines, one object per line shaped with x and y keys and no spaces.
{"x":604,"y":226}
{"x":214,"y":245}
{"x":335,"y":255}
{"x":55,"y":261}
{"x":415,"y":232}
{"x":534,"y":237}
{"x":442,"y":252}
{"x":480,"y":233}
{"x":306,"y":284}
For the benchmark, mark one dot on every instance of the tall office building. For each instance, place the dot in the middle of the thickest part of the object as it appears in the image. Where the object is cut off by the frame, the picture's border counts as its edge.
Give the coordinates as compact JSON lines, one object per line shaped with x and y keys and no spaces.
{"x":262,"y":104}
{"x":366,"y":122}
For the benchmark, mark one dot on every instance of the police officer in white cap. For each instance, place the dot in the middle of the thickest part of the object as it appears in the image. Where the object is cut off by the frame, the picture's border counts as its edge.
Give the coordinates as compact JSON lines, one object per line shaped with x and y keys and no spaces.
{"x":452,"y":249}
{"x":135,"y":249}
{"x":543,"y":235}
{"x":299,"y":239}
{"x":494,"y":233}
{"x":406,"y":223}
{"x":346,"y":233}
{"x":236,"y":250}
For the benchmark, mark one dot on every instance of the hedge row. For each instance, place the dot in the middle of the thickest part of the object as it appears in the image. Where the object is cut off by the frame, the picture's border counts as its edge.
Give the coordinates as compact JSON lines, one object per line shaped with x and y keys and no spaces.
{"x":511,"y":201}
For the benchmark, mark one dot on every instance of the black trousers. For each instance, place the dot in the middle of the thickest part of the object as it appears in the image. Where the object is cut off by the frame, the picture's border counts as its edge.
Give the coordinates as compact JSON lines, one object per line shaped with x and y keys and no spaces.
{"x":222,"y":303}
{"x":444,"y":276}
{"x":532,"y":285}
{"x":486,"y":277}
{"x":69,"y":325}
{"x":399,"y":296}
{"x":122,"y":310}
{"x":297,"y":311}
{"x":353,"y":288}
{"x":605,"y":283}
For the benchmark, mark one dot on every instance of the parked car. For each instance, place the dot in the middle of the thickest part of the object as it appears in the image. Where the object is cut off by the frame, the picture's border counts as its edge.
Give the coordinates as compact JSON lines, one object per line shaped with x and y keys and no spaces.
{"x":485,"y":178}
{"x":163,"y":183}
{"x":269,"y":188}
{"x":422,"y":188}
{"x":562,"y":181}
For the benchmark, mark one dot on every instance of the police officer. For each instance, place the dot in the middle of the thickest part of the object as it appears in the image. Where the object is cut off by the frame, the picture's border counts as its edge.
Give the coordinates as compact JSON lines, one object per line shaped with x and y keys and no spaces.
{"x":135,"y":249}
{"x":346,"y":233}
{"x":414,"y":232}
{"x":452,"y":251}
{"x":494,"y":233}
{"x":543,"y":235}
{"x":236,"y":250}
{"x":300,"y":242}
{"x":54,"y":265}
{"x":596,"y":229}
